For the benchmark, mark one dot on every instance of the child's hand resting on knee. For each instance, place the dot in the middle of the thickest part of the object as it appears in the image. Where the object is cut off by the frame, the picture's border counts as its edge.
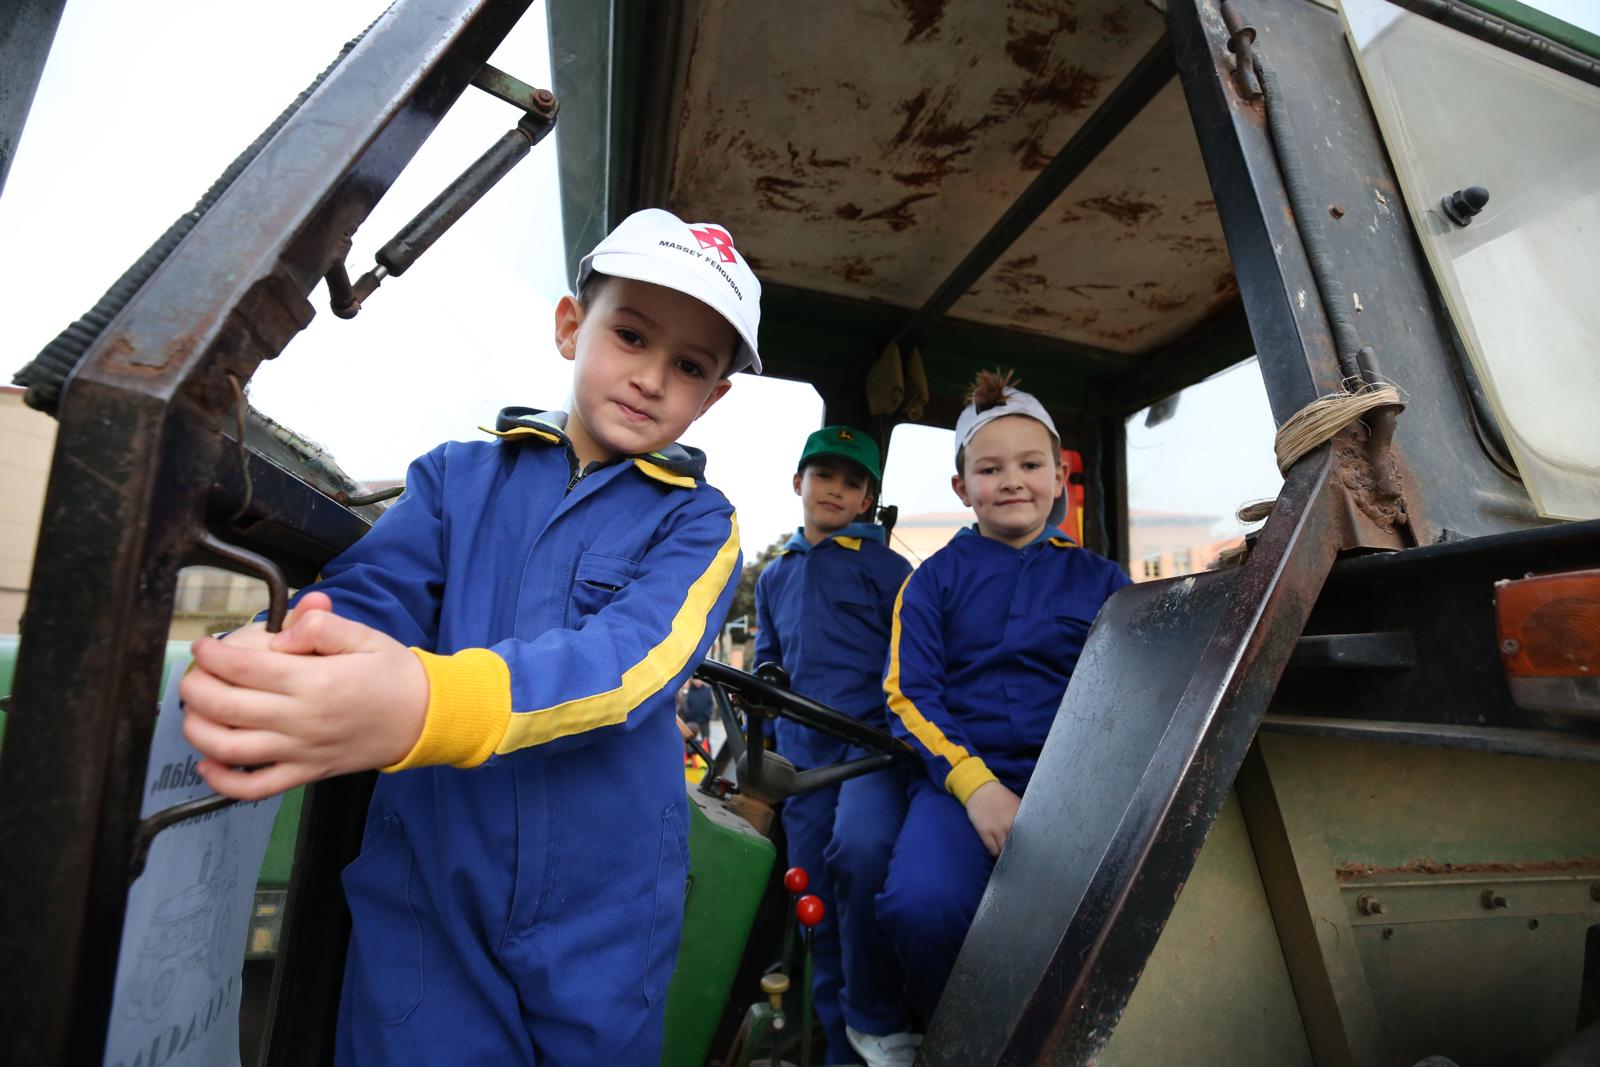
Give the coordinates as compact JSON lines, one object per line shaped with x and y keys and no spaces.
{"x":326,"y":696}
{"x":992,"y":808}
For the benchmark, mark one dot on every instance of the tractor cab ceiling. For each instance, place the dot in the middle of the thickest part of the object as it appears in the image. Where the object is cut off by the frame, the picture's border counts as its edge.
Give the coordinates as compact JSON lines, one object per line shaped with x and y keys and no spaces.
{"x":859,"y":153}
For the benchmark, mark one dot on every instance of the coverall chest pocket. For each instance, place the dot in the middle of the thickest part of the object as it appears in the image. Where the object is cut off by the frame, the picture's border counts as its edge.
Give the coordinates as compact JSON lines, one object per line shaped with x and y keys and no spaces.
{"x":599,"y":578}
{"x":1072,"y":627}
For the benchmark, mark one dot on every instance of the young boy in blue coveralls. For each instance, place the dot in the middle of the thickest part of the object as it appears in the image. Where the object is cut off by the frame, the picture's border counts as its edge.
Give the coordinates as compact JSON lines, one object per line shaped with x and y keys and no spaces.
{"x":822,"y":608}
{"x":986,"y":635}
{"x":519,"y":893}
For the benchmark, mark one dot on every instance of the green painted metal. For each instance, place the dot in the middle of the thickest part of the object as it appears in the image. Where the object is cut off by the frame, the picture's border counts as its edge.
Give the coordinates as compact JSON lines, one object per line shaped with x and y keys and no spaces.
{"x":1542,"y":22}
{"x":279,"y":860}
{"x":729,"y":864}
{"x":1216,"y":988}
{"x":1396,"y":847}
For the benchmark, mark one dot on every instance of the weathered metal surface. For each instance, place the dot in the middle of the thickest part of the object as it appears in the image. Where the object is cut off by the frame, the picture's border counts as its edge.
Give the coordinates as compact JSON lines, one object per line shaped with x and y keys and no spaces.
{"x":136,"y":452}
{"x":1160,"y":711}
{"x":1452,"y":486}
{"x":1152,"y":73}
{"x":1221,"y":928}
{"x":902,"y":132}
{"x":1476,"y":871}
{"x":26,"y":29}
{"x":1313,"y":925}
{"x":1131,"y":258}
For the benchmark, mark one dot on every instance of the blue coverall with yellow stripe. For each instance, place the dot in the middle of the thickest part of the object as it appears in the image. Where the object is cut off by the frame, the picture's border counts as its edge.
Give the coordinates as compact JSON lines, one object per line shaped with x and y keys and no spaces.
{"x":823,"y":613}
{"x":985,"y":638}
{"x":520,"y":888}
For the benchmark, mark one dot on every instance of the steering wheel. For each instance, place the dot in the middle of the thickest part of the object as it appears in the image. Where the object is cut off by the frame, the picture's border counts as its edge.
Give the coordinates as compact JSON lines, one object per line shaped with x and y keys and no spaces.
{"x":766,"y":694}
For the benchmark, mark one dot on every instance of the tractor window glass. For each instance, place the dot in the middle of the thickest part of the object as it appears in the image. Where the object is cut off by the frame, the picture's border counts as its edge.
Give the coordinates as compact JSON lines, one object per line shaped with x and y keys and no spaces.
{"x":917,"y":482}
{"x":1519,"y":275}
{"x":1193,"y":459}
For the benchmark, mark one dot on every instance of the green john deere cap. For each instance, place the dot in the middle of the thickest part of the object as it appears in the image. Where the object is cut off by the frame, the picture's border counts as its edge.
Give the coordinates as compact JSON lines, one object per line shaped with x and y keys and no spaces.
{"x":846,"y":442}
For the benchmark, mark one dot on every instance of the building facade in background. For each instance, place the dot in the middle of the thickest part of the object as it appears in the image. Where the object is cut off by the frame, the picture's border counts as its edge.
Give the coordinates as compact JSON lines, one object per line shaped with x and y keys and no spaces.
{"x":1160,"y":544}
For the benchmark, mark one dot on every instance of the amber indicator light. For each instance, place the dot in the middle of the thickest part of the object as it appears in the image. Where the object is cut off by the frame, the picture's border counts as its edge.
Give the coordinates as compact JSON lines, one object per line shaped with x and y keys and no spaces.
{"x":1549,"y":625}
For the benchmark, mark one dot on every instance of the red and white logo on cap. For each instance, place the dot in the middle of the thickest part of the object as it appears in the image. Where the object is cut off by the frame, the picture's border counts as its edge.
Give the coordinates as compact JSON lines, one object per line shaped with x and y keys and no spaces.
{"x":718,"y":238}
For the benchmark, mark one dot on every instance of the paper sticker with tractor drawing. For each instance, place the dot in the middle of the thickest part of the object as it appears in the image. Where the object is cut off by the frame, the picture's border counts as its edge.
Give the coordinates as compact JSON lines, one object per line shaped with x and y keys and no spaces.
{"x":183,"y":935}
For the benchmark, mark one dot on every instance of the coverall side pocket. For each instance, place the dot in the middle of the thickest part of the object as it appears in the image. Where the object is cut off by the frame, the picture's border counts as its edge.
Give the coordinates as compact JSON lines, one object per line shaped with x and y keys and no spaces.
{"x":599,"y":577}
{"x":666,"y":912}
{"x":385,"y":933}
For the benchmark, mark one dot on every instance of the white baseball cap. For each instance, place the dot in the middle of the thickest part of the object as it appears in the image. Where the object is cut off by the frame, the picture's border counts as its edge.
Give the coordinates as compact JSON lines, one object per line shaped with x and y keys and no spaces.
{"x":1016,"y":402}
{"x":695,"y":258}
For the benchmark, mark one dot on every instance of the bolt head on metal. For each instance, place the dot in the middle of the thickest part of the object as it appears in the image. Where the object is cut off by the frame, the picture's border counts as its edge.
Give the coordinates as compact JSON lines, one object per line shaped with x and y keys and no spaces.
{"x":1460,"y":206}
{"x":1509,"y":646}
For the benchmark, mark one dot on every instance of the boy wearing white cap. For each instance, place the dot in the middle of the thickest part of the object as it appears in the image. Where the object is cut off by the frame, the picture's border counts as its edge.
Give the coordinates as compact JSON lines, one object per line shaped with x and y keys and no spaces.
{"x":985,"y":636}
{"x":505,"y":644}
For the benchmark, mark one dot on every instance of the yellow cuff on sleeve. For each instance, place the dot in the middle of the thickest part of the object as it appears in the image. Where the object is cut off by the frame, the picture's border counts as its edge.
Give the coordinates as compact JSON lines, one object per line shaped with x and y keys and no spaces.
{"x":965,"y":777}
{"x":469,"y":707}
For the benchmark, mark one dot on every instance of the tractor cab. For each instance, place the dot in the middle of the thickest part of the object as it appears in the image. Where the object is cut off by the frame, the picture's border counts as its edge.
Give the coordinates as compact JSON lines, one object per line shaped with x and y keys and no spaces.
{"x":1329,"y":799}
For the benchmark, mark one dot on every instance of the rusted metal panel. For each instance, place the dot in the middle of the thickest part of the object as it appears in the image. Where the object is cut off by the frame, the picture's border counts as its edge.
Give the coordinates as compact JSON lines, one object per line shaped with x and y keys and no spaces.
{"x":865,"y":149}
{"x":1131,"y":257}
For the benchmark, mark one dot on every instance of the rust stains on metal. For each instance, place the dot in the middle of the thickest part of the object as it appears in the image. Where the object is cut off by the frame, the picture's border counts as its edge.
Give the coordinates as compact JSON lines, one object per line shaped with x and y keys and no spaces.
{"x":821,"y":163}
{"x":854,"y":269}
{"x":1030,"y":153}
{"x":923,"y":15}
{"x":848,"y":211}
{"x":1190,"y":244}
{"x":1070,"y":88}
{"x":1031,"y":27}
{"x":1124,"y":209}
{"x":777,"y":194}
{"x":1114,"y":26}
{"x":896,"y":214}
{"x":1347,"y":872}
{"x":1165,"y":302}
{"x":1029,"y":50}
{"x":933,"y":139}
{"x":1017,"y":277}
{"x":912,"y":109}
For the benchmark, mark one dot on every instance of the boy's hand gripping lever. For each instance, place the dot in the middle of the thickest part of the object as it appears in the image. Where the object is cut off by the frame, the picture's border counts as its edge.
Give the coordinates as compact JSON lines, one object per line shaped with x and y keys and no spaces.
{"x":809,"y":912}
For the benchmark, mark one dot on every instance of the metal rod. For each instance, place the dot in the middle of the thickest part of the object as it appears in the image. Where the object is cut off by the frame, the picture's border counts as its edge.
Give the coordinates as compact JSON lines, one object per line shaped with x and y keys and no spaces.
{"x":1148,"y":77}
{"x":149,"y":828}
{"x":485,"y":172}
{"x":260,"y":566}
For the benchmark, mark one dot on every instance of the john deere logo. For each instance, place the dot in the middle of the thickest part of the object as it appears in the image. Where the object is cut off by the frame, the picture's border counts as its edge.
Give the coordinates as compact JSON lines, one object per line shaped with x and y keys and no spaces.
{"x":846,"y":435}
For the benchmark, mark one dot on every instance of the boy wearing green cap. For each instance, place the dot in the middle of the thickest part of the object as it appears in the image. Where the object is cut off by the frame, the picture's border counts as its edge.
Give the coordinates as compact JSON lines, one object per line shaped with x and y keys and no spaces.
{"x":824,"y":609}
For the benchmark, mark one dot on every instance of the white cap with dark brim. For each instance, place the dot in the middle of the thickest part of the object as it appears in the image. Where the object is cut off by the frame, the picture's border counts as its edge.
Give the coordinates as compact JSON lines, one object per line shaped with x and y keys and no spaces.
{"x":695,"y":258}
{"x":1016,"y":402}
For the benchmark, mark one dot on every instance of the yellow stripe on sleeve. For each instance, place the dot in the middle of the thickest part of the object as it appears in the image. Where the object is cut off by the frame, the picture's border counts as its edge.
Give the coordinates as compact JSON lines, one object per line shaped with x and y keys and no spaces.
{"x":967,"y":772}
{"x":469,"y":701}
{"x":645,"y":678}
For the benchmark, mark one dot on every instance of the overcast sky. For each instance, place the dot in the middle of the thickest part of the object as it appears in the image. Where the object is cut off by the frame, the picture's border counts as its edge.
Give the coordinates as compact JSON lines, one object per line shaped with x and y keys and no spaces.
{"x":143,"y":104}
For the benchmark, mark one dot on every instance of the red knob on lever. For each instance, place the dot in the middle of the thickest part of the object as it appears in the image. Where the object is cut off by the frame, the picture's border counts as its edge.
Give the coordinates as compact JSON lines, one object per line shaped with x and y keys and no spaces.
{"x":796,"y":880}
{"x":809,"y":910}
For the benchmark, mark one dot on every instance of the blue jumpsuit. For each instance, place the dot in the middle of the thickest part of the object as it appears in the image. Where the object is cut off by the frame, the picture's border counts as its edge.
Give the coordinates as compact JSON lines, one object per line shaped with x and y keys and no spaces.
{"x":823,"y":612}
{"x":985,"y":638}
{"x":519,"y":892}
